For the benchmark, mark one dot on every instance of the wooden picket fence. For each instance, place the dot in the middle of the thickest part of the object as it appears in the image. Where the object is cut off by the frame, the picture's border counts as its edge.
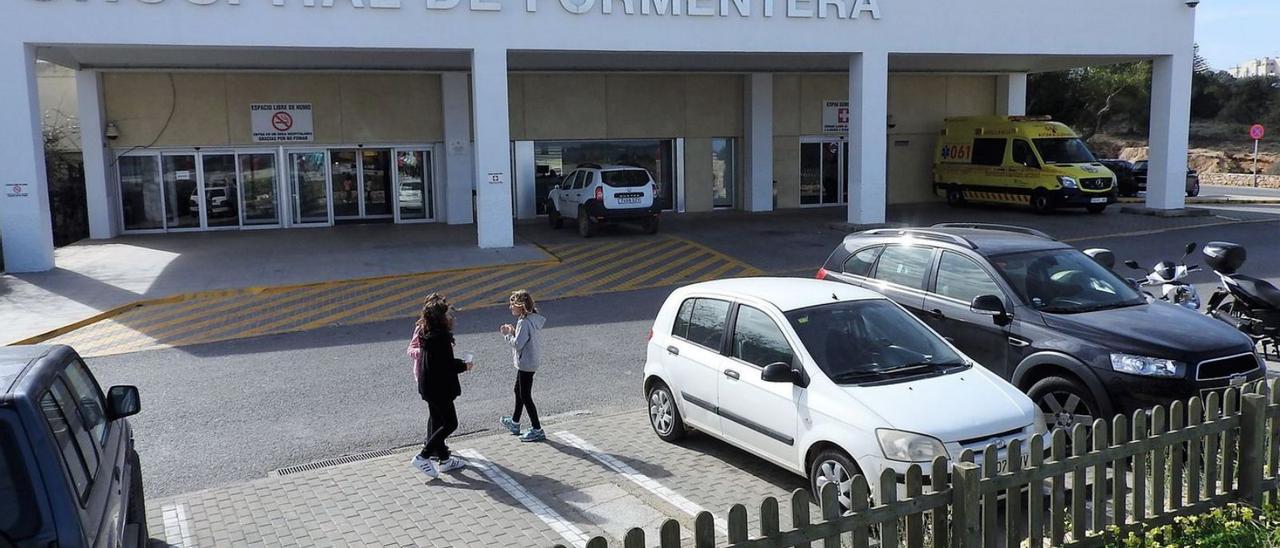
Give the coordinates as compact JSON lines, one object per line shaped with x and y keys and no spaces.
{"x":1142,"y":471}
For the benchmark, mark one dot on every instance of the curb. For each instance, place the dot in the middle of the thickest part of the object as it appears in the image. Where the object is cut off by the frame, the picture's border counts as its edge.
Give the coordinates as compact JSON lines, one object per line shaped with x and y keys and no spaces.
{"x":265,"y":290}
{"x":1213,"y":201}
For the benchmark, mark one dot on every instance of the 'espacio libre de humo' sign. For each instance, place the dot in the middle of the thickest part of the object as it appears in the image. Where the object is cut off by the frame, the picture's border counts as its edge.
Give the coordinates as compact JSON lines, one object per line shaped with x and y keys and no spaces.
{"x":841,"y":9}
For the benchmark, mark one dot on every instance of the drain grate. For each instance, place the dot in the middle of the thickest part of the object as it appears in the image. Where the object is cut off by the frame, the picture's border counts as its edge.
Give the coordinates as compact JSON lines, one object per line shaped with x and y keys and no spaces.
{"x":336,"y":461}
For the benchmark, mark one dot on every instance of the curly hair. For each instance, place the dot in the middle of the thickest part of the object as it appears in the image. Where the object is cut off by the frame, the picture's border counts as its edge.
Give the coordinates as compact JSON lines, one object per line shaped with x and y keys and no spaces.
{"x":524,"y":300}
{"x":435,"y":317}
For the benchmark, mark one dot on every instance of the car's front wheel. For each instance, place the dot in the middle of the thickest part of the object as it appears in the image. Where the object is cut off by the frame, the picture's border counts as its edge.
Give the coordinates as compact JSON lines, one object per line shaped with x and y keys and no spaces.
{"x":664,"y":416}
{"x":1064,"y":403}
{"x":1194,"y":190}
{"x":833,"y":466}
{"x":586,"y":227}
{"x":137,"y":510}
{"x":955,"y":196}
{"x":1040,"y":202}
{"x":1095,"y":208}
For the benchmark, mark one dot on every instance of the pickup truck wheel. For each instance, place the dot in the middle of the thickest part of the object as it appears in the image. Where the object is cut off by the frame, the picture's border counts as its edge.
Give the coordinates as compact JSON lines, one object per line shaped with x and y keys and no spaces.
{"x":554,"y":218}
{"x":137,"y":511}
{"x":586,"y":227}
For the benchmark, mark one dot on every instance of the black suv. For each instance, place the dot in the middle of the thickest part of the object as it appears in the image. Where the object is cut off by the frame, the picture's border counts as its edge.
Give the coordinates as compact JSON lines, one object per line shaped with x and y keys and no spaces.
{"x":68,"y":473}
{"x":1080,"y":340}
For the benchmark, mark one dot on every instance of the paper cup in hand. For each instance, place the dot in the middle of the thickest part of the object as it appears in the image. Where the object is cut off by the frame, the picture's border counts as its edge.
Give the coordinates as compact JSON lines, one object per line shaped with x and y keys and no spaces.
{"x":469,"y":357}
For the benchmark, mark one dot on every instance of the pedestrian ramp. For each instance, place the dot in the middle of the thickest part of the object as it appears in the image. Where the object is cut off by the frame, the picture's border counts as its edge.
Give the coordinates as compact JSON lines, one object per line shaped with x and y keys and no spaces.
{"x":596,"y":476}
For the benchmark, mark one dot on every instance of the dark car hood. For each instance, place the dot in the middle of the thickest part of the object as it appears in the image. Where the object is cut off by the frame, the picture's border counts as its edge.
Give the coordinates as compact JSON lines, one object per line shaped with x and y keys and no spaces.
{"x":1155,"y":329}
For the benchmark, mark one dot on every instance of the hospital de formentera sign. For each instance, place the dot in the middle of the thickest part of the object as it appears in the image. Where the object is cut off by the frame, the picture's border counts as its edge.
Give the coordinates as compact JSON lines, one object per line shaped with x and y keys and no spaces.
{"x":833,"y":9}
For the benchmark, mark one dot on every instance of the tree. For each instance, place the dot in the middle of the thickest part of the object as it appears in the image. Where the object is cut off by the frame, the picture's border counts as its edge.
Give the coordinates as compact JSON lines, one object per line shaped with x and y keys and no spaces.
{"x":1199,"y":65}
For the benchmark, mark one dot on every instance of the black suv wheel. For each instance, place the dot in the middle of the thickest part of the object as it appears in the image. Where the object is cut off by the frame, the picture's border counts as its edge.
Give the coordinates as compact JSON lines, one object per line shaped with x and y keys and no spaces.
{"x":1064,"y":402}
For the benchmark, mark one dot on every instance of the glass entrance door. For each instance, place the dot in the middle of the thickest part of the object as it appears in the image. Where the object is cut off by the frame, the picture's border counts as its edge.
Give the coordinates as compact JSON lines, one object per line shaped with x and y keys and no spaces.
{"x":415,"y":199}
{"x":360,"y":180}
{"x":375,"y":183}
{"x":181,"y":191}
{"x":220,"y":190}
{"x":307,"y":177}
{"x":822,"y":172}
{"x":258,"y":202}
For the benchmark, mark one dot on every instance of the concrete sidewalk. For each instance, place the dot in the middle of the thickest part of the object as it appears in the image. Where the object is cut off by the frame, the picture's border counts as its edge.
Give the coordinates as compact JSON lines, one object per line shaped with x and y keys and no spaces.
{"x":94,"y":276}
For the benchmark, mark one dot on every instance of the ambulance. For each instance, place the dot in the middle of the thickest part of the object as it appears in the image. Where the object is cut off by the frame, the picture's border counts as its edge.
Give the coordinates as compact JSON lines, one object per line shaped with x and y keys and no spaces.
{"x":1024,"y":160}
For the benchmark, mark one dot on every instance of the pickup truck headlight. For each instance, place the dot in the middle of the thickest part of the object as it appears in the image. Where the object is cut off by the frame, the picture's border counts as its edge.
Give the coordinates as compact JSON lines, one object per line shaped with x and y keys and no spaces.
{"x":1146,"y":366}
{"x":909,"y":446}
{"x":1067,"y":182}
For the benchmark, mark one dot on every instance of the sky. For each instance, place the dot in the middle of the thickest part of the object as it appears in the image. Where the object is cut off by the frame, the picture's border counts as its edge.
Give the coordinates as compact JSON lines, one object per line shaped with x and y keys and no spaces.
{"x":1233,"y":31}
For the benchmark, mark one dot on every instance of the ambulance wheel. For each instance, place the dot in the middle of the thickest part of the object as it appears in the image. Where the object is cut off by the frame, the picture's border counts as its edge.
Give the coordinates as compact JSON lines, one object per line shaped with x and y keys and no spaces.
{"x":1040,"y":202}
{"x":955,"y":196}
{"x":1095,"y":208}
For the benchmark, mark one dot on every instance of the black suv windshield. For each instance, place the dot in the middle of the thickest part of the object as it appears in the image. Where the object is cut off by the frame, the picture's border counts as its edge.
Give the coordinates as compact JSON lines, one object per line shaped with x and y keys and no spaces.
{"x":1064,"y":281}
{"x":1064,"y":150}
{"x":869,"y":341}
{"x":17,"y":503}
{"x":625,"y":177}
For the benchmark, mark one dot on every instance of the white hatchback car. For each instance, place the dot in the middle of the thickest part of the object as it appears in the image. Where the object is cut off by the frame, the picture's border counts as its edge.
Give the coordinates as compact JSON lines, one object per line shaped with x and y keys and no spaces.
{"x":823,"y":379}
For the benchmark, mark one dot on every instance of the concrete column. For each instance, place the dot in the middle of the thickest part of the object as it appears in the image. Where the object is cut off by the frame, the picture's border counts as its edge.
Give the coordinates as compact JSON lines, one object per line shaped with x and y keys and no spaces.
{"x":757,"y":186}
{"x":97,"y":183}
{"x":494,"y":225}
{"x":868,"y":135}
{"x":26,"y":230}
{"x":1011,"y":94}
{"x":459,"y":175}
{"x":1170,"y":123}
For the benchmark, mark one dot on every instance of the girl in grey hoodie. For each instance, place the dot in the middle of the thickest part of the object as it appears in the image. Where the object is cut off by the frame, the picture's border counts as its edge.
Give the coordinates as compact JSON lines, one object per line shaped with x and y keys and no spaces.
{"x":525,"y":340}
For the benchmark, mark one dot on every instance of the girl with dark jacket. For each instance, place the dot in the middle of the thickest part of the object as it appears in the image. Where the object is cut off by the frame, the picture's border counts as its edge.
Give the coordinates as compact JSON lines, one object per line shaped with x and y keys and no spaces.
{"x":437,"y":370}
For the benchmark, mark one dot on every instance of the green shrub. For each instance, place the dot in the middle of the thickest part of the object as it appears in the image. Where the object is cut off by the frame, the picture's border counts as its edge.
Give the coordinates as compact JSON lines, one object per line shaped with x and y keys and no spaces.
{"x":1233,"y":525}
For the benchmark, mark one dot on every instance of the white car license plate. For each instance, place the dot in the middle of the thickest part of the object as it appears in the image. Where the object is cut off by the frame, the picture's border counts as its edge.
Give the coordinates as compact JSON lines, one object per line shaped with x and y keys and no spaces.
{"x":1097,"y":200}
{"x":1002,"y":465}
{"x":628,"y":200}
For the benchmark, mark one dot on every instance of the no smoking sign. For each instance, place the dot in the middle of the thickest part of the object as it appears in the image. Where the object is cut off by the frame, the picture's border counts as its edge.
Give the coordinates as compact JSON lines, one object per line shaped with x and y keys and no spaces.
{"x":282,"y":121}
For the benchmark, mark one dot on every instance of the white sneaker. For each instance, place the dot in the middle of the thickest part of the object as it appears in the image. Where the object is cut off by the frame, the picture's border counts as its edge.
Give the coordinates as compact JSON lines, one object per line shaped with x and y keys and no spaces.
{"x":452,"y":463}
{"x":426,"y":466}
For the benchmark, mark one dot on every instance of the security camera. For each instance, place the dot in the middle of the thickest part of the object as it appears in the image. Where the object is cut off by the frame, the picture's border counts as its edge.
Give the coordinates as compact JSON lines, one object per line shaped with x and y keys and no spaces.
{"x":1193,"y":3}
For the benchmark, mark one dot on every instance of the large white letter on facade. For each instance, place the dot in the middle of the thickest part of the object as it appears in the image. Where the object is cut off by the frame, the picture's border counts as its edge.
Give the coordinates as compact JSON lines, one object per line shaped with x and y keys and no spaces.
{"x":869,"y":6}
{"x":442,"y":4}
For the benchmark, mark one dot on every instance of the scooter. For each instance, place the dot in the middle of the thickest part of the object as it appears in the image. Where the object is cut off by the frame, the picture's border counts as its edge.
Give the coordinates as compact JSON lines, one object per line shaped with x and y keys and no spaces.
{"x":1250,"y":304}
{"x":1169,"y":276}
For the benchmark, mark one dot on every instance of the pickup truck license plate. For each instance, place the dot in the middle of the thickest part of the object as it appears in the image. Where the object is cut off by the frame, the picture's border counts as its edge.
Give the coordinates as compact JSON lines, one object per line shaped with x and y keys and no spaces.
{"x":1097,"y":200}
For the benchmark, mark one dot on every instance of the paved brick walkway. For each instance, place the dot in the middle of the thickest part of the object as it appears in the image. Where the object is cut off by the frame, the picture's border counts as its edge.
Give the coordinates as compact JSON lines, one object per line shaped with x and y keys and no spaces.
{"x":593,"y":476}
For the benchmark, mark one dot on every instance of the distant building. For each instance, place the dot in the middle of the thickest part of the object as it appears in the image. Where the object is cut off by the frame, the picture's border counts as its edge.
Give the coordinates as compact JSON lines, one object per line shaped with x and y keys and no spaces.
{"x":1266,"y":66}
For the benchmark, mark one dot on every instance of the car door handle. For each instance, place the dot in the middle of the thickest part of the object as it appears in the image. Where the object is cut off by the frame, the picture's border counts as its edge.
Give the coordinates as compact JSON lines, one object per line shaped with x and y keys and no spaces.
{"x":673,"y":350}
{"x":731,"y":374}
{"x":936,"y":313}
{"x":1018,"y":343}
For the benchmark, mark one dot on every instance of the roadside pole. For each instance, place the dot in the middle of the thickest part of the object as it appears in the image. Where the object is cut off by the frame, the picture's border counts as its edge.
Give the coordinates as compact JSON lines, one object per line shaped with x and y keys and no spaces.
{"x":1256,"y":132}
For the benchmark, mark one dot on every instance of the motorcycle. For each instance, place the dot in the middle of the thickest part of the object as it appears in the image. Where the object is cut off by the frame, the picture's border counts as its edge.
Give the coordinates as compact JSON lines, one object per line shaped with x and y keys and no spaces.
{"x":1250,"y":304}
{"x":1169,"y":276}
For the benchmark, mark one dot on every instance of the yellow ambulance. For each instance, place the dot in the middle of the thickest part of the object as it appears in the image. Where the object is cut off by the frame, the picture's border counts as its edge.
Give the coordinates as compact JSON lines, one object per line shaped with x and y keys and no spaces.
{"x":1019,"y":160}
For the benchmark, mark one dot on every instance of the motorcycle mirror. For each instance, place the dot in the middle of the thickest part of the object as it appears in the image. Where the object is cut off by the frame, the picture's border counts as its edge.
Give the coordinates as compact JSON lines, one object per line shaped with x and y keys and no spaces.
{"x":1132,"y":264}
{"x":1191,"y":248}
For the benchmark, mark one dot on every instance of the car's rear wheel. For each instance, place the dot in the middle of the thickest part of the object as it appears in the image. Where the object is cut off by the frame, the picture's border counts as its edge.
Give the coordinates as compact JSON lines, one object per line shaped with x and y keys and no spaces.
{"x":1040,"y":202}
{"x":1065,"y":403}
{"x":833,"y":466}
{"x":1194,"y":190}
{"x":955,"y":196}
{"x":650,"y":225}
{"x":586,"y":227}
{"x":1095,"y":208}
{"x":136,"y":513}
{"x":664,"y":416}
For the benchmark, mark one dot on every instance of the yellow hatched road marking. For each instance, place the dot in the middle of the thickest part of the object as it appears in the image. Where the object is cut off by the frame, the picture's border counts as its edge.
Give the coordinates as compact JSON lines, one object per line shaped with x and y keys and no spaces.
{"x":640,"y":280}
{"x":585,"y":274}
{"x":719,"y":271}
{"x":598,"y":282}
{"x":508,"y":277}
{"x":349,"y":312}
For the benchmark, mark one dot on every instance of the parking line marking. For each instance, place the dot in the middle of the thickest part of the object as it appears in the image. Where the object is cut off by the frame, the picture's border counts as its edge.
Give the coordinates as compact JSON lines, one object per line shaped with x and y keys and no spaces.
{"x":570,"y":532}
{"x":649,"y":484}
{"x":177,"y":528}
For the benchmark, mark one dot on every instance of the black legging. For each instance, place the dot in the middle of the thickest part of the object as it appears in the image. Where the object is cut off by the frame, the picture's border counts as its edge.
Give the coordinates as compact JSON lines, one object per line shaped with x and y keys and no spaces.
{"x":524,"y":398}
{"x":443,"y":421}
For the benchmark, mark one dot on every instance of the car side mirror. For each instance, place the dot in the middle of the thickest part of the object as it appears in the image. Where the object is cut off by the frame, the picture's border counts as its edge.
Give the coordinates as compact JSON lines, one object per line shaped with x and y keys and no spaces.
{"x":990,"y":305}
{"x":780,"y":372}
{"x":1102,"y":256}
{"x":123,"y":401}
{"x":1132,"y":264}
{"x":557,"y":187}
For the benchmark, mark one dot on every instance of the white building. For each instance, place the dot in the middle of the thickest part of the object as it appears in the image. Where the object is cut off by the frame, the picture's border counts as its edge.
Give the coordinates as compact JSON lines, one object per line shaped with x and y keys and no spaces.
{"x":240,"y":114}
{"x":1266,"y":66}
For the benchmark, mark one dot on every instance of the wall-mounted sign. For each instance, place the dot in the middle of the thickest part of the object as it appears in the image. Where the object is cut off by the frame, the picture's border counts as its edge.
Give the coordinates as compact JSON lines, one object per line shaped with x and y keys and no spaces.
{"x":495,"y":177}
{"x":277,"y":122}
{"x":17,"y":190}
{"x":835,"y":116}
{"x":819,"y":9}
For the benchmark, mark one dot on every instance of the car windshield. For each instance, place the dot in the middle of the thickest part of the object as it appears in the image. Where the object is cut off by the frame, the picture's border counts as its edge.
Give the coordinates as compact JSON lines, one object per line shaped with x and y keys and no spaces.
{"x":17,"y":502}
{"x":625,"y":177}
{"x":1064,"y":281}
{"x":1064,"y":150}
{"x":871,"y":341}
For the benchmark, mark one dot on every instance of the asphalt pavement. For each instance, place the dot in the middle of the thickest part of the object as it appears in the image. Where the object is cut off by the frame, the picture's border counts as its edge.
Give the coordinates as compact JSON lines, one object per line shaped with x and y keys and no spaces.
{"x":222,"y":413}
